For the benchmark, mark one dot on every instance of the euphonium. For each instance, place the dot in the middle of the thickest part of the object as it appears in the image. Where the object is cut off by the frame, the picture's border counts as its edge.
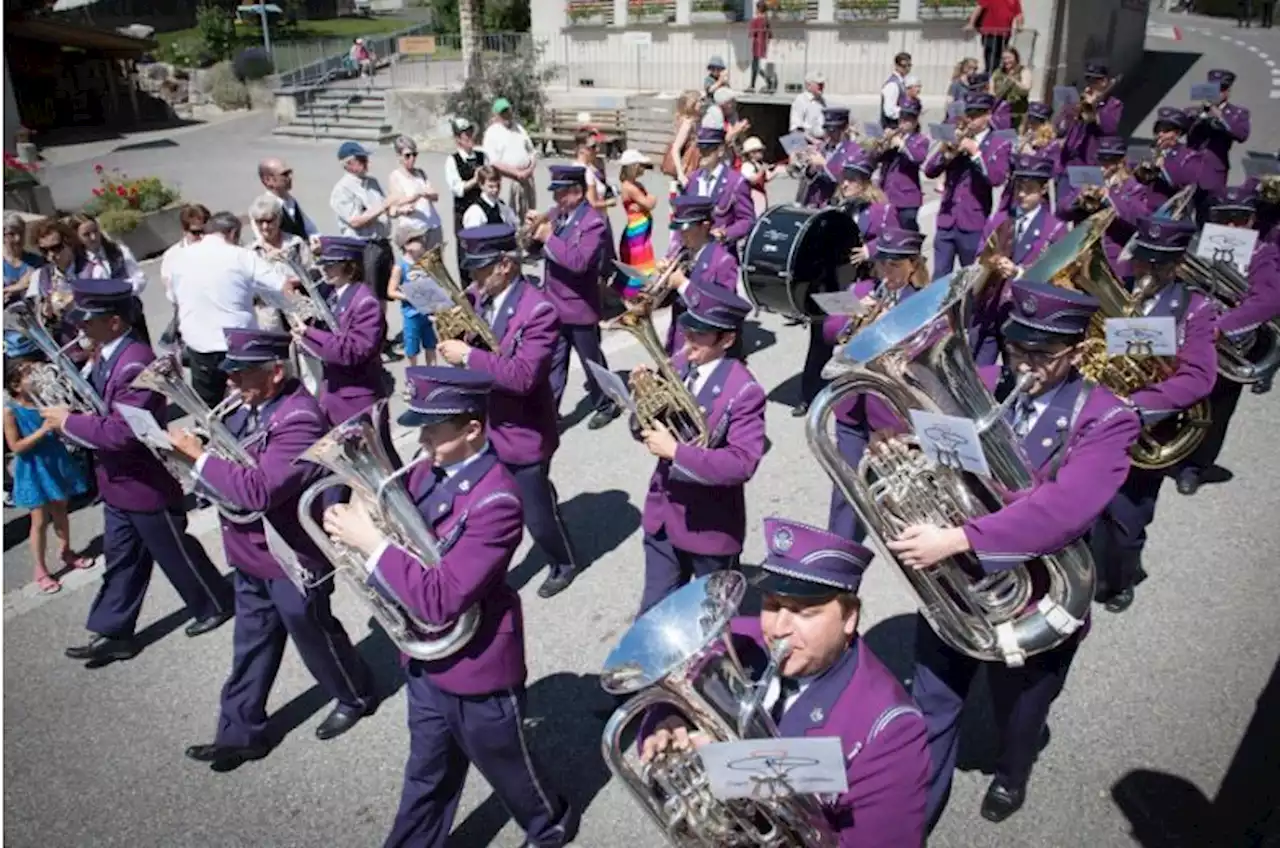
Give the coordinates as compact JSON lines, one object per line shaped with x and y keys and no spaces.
{"x":57,"y":382}
{"x":1269,"y":189}
{"x":678,"y":655}
{"x":461,"y":320}
{"x":1078,"y":262}
{"x":354,"y":452}
{"x":1227,"y":287}
{"x":917,"y":357}
{"x":298,"y":308}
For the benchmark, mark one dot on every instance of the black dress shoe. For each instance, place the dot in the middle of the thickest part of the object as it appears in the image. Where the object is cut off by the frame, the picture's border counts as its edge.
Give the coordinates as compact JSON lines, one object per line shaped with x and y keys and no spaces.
{"x":800,"y":410}
{"x":1120,"y":601}
{"x":226,"y":757}
{"x":342,"y":719}
{"x":556,"y":583}
{"x":104,"y":649}
{"x":1189,"y":481}
{"x":1002,"y":801}
{"x":212,"y":622}
{"x":604,"y":416}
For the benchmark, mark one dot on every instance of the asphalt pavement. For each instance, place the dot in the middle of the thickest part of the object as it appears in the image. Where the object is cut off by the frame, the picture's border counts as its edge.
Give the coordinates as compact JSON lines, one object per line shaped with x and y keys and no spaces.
{"x":1149,"y":728}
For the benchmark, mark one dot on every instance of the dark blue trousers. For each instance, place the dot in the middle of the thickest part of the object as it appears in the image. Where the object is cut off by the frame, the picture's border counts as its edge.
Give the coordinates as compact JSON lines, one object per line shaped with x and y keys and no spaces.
{"x":951,"y":244}
{"x":447,"y":734}
{"x":1020,"y":698}
{"x":267,"y":613}
{"x":133,"y":542}
{"x":542,"y":514}
{"x":841,"y":519}
{"x":1222,"y":405}
{"x":585,"y":339}
{"x":815,"y":359}
{"x":667,"y":568}
{"x":908,"y":218}
{"x":1120,"y":533}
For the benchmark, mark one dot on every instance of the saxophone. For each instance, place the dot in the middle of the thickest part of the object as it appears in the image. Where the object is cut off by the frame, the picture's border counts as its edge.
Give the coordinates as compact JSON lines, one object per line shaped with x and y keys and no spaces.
{"x":461,"y":320}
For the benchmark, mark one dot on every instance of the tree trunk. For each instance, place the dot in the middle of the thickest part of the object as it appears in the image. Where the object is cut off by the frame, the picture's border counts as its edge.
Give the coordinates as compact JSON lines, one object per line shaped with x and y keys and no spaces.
{"x":469,"y":29}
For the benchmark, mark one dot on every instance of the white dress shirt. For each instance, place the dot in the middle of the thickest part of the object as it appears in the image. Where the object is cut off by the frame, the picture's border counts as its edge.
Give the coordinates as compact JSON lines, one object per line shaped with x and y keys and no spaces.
{"x":806,"y":113}
{"x":708,"y":180}
{"x":1038,"y":405}
{"x":170,"y":257}
{"x":702,"y":373}
{"x":713,"y":118}
{"x":353,"y":196}
{"x":509,"y":146}
{"x":890,"y":95}
{"x":476,"y":216}
{"x":451,"y":176}
{"x":406,"y":184}
{"x":214,"y":284}
{"x":104,"y":355}
{"x":99,"y":268}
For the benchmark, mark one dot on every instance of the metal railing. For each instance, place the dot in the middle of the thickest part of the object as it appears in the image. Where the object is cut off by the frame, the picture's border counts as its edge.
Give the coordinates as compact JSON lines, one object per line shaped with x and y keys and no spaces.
{"x":331,"y":57}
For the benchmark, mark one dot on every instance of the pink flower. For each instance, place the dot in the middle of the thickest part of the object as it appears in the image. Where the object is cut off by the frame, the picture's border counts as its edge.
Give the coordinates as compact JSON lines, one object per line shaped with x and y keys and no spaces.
{"x":97,"y":169}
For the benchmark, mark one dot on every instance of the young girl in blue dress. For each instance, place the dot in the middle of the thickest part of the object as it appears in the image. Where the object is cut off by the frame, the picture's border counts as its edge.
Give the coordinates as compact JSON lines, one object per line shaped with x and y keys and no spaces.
{"x":45,"y":475}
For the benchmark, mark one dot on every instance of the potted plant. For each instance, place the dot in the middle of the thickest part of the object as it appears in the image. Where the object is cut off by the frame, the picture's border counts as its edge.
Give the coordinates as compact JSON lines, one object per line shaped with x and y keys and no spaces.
{"x":715,"y":11}
{"x":865,"y":10}
{"x":790,"y":10}
{"x":946,"y":9}
{"x":142,"y":212}
{"x":589,"y":12}
{"x":23,"y":190}
{"x":648,"y":12}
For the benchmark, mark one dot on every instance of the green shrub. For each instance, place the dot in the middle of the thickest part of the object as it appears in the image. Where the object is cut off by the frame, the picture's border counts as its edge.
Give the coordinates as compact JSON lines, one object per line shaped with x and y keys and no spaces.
{"x":120,"y":202}
{"x":226,"y":89}
{"x":217,"y":31}
{"x":519,"y":77}
{"x":252,"y":64}
{"x":119,"y":221}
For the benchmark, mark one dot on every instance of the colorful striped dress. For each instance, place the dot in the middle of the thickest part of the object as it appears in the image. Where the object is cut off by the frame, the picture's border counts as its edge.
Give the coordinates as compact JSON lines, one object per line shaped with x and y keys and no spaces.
{"x":636,"y":246}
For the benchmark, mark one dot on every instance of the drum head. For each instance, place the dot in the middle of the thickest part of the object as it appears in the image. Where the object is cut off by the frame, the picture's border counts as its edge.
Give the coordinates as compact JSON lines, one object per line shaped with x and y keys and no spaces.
{"x":793,"y":253}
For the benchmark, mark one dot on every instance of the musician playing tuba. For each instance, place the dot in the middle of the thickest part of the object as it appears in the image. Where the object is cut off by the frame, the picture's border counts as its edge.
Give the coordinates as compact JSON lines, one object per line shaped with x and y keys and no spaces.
{"x":467,"y":707}
{"x":695,"y":512}
{"x":277,"y":588}
{"x":831,"y":684}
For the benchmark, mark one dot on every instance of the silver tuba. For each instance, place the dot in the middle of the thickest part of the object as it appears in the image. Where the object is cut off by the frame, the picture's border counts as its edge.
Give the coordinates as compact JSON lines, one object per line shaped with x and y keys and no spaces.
{"x":354,"y":452}
{"x":916,"y":357}
{"x":1223,"y":283}
{"x":57,"y":382}
{"x":679,"y":655}
{"x":164,"y":377}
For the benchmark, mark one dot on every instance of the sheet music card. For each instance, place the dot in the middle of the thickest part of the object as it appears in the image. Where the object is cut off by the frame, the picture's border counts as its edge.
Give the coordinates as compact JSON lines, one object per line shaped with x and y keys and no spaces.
{"x":1150,"y":336}
{"x":775,"y":768}
{"x":1205,"y":91}
{"x":1004,"y":135}
{"x":1233,"y":245}
{"x":1083,"y":175}
{"x":1064,"y":95}
{"x":843,"y":302}
{"x":425,"y":294}
{"x":1260,"y":165}
{"x":793,"y":142}
{"x":955,"y":110}
{"x":613,"y":386}
{"x":950,"y":441}
{"x":942,"y":132}
{"x":872,"y":130}
{"x":144,"y":426}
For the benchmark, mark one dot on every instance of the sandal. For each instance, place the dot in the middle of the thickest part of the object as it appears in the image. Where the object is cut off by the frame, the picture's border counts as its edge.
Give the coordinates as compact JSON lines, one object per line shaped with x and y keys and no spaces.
{"x":49,"y":585}
{"x":73,"y":560}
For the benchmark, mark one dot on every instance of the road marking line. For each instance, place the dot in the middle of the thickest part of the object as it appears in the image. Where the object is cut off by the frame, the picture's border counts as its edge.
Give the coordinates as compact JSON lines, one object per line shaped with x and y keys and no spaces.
{"x":1275,"y":95}
{"x":1271,"y":64}
{"x":1253,"y":48}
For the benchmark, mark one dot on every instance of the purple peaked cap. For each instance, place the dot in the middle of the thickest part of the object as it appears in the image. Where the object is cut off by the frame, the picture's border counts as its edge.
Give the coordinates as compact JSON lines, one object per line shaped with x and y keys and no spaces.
{"x":1039,"y":111}
{"x":1171,"y":117}
{"x":711,"y":306}
{"x":1044,"y":313}
{"x":710,"y":136}
{"x":1222,"y":77}
{"x":1162,"y":239}
{"x":566,"y":176}
{"x":1112,"y":146}
{"x":438,"y":393}
{"x":687,"y":210}
{"x":340,"y":249}
{"x":859,"y":164}
{"x":251,"y":348}
{"x":1096,"y":70}
{"x":1236,"y":199}
{"x":896,"y":243}
{"x":1034,"y":166}
{"x":484,"y":245}
{"x":100,"y":297}
{"x":979,"y":101}
{"x":909,"y":106}
{"x":807,"y":562}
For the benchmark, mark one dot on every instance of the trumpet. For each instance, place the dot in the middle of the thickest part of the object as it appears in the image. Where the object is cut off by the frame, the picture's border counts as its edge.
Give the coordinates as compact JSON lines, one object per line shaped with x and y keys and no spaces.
{"x":1037,"y":138}
{"x":876,"y":147}
{"x":964,"y":130}
{"x":1148,"y":171}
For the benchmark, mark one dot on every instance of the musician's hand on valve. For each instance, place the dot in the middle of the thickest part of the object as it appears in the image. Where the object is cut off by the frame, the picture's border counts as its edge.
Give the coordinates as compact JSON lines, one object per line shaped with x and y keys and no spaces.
{"x":542,"y":231}
{"x":55,"y":416}
{"x":671,"y":735}
{"x":1006,"y":266}
{"x":186,"y":443}
{"x":350,"y":524}
{"x":969,"y":147}
{"x":923,"y":545}
{"x":453,"y":351}
{"x":660,"y":442}
{"x":717,"y":234}
{"x":859,"y":255}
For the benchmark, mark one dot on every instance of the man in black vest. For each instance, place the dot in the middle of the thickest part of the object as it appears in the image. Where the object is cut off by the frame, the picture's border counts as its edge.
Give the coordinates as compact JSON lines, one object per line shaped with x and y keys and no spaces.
{"x":277,"y":177}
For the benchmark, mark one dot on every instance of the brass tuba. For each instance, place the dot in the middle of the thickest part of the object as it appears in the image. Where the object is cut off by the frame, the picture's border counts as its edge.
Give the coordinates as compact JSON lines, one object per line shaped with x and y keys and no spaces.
{"x":679,"y":655}
{"x":1078,"y":262}
{"x":1222,"y":283}
{"x":57,"y":382}
{"x":916,"y":356}
{"x":461,"y":320}
{"x":354,"y":452}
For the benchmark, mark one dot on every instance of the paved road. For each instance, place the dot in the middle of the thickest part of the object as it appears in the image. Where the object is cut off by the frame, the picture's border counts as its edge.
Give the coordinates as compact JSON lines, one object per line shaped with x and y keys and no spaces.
{"x":93,"y":757}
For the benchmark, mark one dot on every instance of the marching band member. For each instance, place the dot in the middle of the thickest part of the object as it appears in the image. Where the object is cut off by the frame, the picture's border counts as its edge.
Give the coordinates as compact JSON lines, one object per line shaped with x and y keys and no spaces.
{"x":899,"y":271}
{"x":1029,"y":229}
{"x":710,"y":262}
{"x":1077,"y":435}
{"x":832,"y":684}
{"x":279,"y":419}
{"x":734,"y":212}
{"x":144,"y":521}
{"x":863,"y":201}
{"x":1175,"y":165}
{"x":1214,"y":128}
{"x":826,"y":166}
{"x":974,"y":165}
{"x":1082,"y":125}
{"x":1236,"y":208}
{"x":469,"y":707}
{"x":522,"y":421}
{"x":900,"y":163}
{"x":1121,"y":192}
{"x":1119,"y":537}
{"x":695,"y":511}
{"x":573,"y":241}
{"x":1035,"y":136}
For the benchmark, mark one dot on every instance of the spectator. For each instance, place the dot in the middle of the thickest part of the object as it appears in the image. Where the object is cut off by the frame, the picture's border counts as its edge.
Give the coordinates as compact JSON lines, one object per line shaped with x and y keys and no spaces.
{"x":419,"y":334}
{"x":996,"y":21}
{"x":489,"y":207}
{"x":364,"y":59}
{"x":894,"y":89}
{"x":959,"y":87}
{"x":18,"y":261}
{"x":192,"y":218}
{"x":277,"y":178}
{"x":106,"y":259}
{"x":807,"y":109}
{"x":760,"y":31}
{"x":508,"y":148}
{"x":757,"y":173}
{"x":462,"y":170}
{"x":681,"y":157}
{"x":636,"y":246}
{"x":280,"y":249}
{"x":716,"y":79}
{"x":410,"y":183}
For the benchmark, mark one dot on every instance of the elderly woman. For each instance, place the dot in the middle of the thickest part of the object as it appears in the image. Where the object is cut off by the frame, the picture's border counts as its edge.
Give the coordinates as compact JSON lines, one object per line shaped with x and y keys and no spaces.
{"x":18,"y":261}
{"x":410,"y":182}
{"x":277,"y":247}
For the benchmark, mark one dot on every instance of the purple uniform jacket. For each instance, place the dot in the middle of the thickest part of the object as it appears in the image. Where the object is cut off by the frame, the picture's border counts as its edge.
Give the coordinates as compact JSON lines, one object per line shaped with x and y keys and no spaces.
{"x":1081,"y":139}
{"x":1262,"y":302}
{"x":1002,"y":116}
{"x":1044,"y":229}
{"x":1197,"y":365}
{"x":1181,"y":169}
{"x":882,"y":734}
{"x":966,"y":200}
{"x":823,"y":180}
{"x":287,"y":425}
{"x":872,"y":220}
{"x":478,"y":521}
{"x":128,"y":474}
{"x":734,"y":212}
{"x":698,"y":497}
{"x":522,"y":409}
{"x":352,"y":357}
{"x":863,"y":411}
{"x":572,"y":275}
{"x":1130,"y":200}
{"x":1079,"y":448}
{"x":900,"y":176}
{"x":1213,"y":138}
{"x":714,"y":263}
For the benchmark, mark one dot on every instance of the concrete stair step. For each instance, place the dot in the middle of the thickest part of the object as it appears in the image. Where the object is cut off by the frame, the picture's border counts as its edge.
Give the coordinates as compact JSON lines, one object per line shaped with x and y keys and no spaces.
{"x":326,"y":114}
{"x":328,"y":96}
{"x":344,"y":123}
{"x":376,"y":134}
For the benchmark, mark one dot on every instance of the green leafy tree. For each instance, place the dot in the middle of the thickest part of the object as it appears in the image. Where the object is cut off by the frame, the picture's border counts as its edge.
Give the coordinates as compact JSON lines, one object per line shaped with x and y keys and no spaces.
{"x":520,"y":77}
{"x":217,"y":31}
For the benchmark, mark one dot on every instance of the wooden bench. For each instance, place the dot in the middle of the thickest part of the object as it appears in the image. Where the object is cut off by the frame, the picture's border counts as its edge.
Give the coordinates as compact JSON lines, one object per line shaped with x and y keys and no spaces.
{"x":562,"y":125}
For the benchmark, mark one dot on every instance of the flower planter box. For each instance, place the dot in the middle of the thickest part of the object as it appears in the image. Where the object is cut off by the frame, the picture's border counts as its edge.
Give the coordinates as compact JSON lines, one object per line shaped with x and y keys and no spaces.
{"x":35,"y":199}
{"x":946,"y":10}
{"x":711,"y":16}
{"x":864,"y":15}
{"x":592,"y":15}
{"x":660,"y":16}
{"x":791,"y":15}
{"x":155,"y":233}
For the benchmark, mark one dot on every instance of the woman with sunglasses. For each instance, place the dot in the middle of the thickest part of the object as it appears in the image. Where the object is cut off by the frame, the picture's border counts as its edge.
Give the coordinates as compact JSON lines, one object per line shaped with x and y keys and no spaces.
{"x":410,"y":182}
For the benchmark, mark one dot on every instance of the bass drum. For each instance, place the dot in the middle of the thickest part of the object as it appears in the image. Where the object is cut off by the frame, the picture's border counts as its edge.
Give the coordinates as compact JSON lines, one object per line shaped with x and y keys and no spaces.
{"x":794,"y":252}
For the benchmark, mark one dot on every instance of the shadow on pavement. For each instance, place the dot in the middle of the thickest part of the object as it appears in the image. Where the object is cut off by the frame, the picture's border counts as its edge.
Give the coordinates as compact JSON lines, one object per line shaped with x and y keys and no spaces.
{"x":83,"y":135}
{"x":597,"y":523}
{"x":1162,"y":72}
{"x":1167,"y":811}
{"x":565,"y":716}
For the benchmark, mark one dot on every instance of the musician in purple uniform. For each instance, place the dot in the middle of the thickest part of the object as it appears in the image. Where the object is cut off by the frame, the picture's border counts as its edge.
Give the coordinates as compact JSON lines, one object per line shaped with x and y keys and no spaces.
{"x":1021,"y":237}
{"x":864,"y":202}
{"x":1174,"y":166}
{"x":1214,"y":128}
{"x":710,"y":262}
{"x":1121,"y":534}
{"x":1122,"y":192}
{"x":831,"y":684}
{"x":573,"y":240}
{"x":1237,"y":326}
{"x":279,"y":419}
{"x":900,"y":163}
{"x":899,"y":271}
{"x":143,"y":516}
{"x":734,"y":213}
{"x":468,"y":707}
{"x":973,"y":167}
{"x":1077,"y":436}
{"x":522,"y":408}
{"x":1081,"y":129}
{"x":1030,"y":140}
{"x":695,"y":511}
{"x":826,"y":166}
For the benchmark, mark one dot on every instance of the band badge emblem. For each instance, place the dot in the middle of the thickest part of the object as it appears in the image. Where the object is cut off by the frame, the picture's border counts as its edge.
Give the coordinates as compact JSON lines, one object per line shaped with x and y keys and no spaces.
{"x":692,"y":299}
{"x":783,"y":540}
{"x":1155,"y":231}
{"x":1029,"y":305}
{"x":817,"y":715}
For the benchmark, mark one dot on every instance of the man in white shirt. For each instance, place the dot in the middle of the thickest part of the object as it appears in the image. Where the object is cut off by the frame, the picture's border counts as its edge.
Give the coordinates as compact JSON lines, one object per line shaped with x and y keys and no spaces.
{"x":277,"y":177}
{"x":509,"y":149}
{"x":807,"y":108}
{"x":213,"y":285}
{"x":893,"y":90}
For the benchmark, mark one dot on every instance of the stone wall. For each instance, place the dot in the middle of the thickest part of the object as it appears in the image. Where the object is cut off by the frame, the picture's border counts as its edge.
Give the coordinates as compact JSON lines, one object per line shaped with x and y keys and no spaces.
{"x":420,"y":113}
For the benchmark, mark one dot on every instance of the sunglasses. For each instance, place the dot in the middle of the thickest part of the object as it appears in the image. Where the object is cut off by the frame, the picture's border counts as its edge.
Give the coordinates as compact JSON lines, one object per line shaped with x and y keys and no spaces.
{"x":261,"y":222}
{"x":409,"y":154}
{"x":53,"y":249}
